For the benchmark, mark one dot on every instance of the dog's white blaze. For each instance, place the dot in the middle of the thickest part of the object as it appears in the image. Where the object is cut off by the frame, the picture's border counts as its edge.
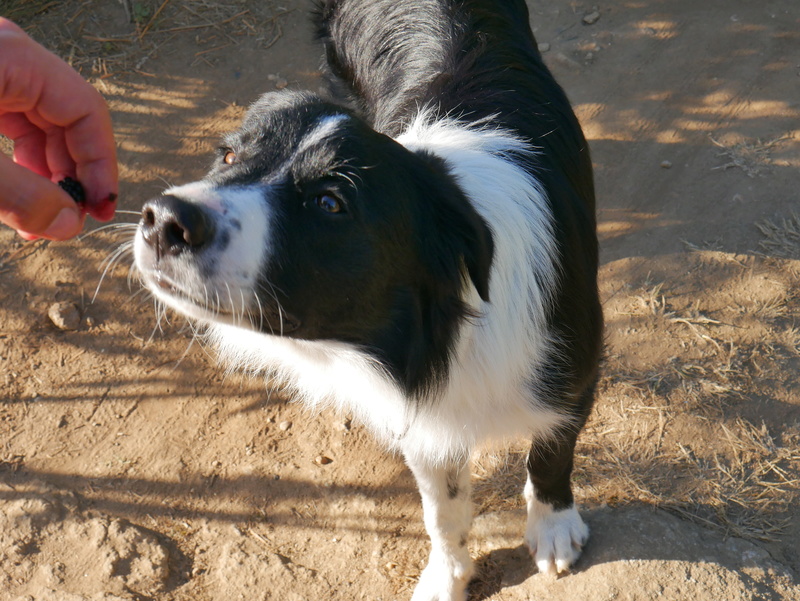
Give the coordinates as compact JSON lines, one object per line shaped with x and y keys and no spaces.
{"x":324,"y":129}
{"x":491,"y":390}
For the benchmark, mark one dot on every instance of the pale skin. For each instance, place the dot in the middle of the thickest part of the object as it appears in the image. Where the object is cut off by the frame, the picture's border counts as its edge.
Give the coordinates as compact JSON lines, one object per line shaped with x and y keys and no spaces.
{"x":60,"y":127}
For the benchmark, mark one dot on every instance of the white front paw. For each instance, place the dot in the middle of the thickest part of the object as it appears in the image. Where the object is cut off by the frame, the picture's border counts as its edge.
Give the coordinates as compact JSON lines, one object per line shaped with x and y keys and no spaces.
{"x":555,"y":538}
{"x":444,"y":580}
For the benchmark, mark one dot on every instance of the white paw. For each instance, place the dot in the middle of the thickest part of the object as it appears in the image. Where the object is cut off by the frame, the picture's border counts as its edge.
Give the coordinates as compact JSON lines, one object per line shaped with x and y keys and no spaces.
{"x":444,"y":579}
{"x":555,"y":538}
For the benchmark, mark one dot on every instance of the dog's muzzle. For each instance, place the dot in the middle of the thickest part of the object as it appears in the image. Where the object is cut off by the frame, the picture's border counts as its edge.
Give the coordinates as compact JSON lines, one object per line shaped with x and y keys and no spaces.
{"x":172,"y":226}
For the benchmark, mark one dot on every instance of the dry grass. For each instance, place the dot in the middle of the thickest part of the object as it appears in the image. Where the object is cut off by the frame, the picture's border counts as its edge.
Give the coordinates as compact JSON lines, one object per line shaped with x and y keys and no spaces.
{"x":782,"y":238}
{"x":498,"y":478}
{"x":751,"y":157}
{"x":672,"y":436}
{"x":103,"y":40}
{"x":745,"y":487}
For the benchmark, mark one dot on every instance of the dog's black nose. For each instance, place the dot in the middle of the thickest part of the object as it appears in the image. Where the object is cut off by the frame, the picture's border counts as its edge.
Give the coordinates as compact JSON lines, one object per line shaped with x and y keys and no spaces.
{"x":172,"y":226}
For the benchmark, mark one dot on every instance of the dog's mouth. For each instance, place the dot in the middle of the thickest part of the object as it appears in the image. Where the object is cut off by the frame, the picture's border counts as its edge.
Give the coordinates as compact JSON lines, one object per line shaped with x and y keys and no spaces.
{"x":214,"y":307}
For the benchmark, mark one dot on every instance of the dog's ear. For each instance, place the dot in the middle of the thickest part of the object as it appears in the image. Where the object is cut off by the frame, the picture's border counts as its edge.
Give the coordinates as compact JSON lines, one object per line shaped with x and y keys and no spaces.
{"x":456,"y":233}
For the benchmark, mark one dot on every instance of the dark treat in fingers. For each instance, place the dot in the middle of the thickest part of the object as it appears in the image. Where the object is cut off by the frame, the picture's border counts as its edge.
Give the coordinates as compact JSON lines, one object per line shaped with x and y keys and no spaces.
{"x":74,"y":188}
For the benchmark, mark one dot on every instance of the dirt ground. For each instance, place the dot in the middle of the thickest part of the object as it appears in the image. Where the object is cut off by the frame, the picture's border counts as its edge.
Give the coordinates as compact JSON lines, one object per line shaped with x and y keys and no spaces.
{"x":133,"y":467}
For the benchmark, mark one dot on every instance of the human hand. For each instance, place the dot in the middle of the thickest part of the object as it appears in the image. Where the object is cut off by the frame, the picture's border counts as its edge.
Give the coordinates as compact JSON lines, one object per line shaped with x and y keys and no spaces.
{"x":60,"y":127}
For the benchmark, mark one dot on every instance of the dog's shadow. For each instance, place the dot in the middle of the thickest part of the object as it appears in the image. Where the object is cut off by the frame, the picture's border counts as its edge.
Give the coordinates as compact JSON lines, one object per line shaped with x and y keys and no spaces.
{"x":499,"y":569}
{"x":635,"y":535}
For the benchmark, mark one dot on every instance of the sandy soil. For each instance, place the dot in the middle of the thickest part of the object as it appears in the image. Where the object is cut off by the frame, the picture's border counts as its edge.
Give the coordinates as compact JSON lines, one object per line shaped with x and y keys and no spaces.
{"x":133,"y":467}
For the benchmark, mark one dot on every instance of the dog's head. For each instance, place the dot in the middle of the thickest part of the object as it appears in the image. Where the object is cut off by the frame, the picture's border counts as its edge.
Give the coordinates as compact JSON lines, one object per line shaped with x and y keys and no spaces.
{"x":312,"y":225}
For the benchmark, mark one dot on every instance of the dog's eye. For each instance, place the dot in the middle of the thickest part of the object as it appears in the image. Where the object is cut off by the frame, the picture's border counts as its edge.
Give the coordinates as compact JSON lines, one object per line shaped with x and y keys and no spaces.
{"x":329,"y":203}
{"x":229,"y":158}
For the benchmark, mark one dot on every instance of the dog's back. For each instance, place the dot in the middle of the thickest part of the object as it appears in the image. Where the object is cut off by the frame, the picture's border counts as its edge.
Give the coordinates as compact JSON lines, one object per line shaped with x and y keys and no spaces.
{"x":476,"y":61}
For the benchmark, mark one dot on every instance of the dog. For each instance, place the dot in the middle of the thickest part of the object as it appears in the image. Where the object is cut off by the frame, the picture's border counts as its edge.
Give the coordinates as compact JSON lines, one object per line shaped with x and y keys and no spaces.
{"x":420,"y":253}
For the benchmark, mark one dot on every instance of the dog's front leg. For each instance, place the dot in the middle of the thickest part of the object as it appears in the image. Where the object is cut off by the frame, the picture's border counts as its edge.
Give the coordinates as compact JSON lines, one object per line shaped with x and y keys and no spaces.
{"x":447,"y":508}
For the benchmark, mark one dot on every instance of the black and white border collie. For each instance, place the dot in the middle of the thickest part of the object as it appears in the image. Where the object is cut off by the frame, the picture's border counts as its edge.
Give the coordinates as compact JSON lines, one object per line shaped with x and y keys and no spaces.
{"x":422,"y":255}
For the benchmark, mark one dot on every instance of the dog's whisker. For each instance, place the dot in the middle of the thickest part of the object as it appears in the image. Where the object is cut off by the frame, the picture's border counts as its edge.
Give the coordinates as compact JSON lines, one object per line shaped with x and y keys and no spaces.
{"x":260,"y":313}
{"x":116,"y":227}
{"x":123,"y":249}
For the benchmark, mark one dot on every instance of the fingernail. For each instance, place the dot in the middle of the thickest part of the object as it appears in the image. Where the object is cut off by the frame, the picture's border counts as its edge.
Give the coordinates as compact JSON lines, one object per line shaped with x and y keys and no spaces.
{"x":65,"y":225}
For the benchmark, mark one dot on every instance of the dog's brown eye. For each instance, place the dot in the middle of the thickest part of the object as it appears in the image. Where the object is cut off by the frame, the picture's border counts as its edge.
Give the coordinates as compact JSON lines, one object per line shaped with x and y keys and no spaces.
{"x":329,"y":203}
{"x":230,"y":157}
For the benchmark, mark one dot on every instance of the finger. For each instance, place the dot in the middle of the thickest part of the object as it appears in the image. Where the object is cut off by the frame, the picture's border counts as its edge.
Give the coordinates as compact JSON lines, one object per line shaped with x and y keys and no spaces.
{"x":35,"y":206}
{"x":59,"y":162}
{"x":76,"y":151}
{"x":29,"y":142}
{"x":91,"y":144}
{"x":85,"y":150}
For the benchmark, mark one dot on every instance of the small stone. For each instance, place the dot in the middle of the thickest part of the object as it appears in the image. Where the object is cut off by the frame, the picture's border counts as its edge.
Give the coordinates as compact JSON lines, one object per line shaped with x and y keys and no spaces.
{"x":90,"y":322}
{"x":323,"y":460}
{"x":284,"y":426}
{"x":280,"y":83}
{"x":563,"y":60}
{"x":65,"y":316}
{"x":591,"y":18}
{"x":544,"y":47}
{"x":666,"y":164}
{"x":216,"y":464}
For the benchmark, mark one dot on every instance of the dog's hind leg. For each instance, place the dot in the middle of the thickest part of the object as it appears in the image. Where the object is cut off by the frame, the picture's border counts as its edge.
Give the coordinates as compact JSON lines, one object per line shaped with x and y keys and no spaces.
{"x":555,"y":533}
{"x":447,"y":508}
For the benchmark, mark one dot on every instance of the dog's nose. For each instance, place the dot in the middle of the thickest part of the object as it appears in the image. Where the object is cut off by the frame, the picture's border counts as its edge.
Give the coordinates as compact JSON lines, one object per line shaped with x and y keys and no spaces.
{"x":173,"y":226}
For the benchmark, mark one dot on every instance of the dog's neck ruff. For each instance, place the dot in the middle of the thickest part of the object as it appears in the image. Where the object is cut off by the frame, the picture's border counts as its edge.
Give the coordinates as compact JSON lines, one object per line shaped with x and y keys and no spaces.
{"x":496,"y":352}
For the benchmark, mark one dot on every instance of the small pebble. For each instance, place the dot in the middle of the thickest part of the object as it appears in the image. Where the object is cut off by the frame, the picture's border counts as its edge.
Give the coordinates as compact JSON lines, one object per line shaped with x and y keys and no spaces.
{"x":563,"y":60}
{"x":285,"y":426}
{"x":65,"y":316}
{"x":323,"y":460}
{"x":280,"y":83}
{"x":666,"y":165}
{"x":544,"y":47}
{"x":591,"y":18}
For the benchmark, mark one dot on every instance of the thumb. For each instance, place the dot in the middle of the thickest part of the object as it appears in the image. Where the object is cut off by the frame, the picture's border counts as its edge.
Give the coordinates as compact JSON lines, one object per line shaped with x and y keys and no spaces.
{"x":34,"y":206}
